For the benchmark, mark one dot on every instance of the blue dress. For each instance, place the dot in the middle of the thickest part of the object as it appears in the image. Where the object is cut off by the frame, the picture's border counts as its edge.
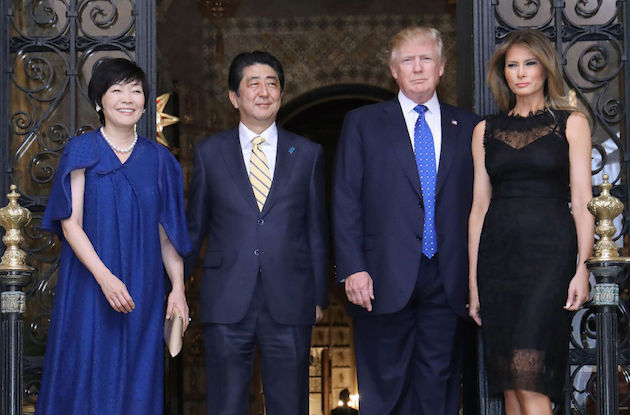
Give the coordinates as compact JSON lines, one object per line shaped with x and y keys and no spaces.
{"x":99,"y":361}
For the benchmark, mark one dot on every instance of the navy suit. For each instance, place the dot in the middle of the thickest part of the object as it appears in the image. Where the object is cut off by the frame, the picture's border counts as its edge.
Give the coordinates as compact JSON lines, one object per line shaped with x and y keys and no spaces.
{"x":263,"y":272}
{"x":378,"y":215}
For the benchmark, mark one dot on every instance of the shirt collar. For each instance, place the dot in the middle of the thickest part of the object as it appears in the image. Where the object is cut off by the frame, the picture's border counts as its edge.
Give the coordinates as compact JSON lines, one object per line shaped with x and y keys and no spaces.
{"x":407,"y":105}
{"x":245,"y":135}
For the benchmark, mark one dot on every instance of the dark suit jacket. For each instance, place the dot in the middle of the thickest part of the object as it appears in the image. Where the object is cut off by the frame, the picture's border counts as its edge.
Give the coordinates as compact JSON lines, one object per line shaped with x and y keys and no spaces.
{"x":286,"y":243}
{"x":378,"y":211}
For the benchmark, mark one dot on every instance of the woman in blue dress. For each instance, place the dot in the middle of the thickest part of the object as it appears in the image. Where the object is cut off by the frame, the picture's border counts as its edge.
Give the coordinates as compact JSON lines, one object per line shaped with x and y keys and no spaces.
{"x":117,"y":205}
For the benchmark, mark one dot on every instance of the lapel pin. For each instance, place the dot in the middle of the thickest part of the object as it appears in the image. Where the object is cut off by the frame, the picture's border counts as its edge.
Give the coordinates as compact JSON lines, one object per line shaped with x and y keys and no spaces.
{"x":454,"y":122}
{"x":291,"y":150}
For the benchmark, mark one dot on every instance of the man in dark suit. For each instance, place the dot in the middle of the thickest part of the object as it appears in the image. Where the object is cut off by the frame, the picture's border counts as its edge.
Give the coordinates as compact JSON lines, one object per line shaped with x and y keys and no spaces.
{"x":257,"y":193}
{"x":401,"y":199}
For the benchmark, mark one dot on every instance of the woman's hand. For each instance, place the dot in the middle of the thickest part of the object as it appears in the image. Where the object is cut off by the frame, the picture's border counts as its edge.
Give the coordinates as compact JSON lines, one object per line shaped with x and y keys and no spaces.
{"x":579,"y":290}
{"x":474,"y":308}
{"x":177,"y":306}
{"x":116,"y":293}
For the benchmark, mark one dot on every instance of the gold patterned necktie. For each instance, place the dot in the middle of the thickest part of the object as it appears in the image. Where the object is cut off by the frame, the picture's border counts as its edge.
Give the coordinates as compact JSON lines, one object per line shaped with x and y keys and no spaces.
{"x":259,"y":174}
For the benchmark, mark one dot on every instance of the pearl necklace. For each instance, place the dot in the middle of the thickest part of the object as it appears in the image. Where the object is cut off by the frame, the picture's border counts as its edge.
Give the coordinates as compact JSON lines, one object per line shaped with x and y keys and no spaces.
{"x":120,"y":149}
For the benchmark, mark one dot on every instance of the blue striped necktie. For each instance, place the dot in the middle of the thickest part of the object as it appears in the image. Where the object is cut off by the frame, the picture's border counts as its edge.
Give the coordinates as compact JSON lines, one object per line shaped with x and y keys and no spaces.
{"x":425,"y":160}
{"x":259,"y":174}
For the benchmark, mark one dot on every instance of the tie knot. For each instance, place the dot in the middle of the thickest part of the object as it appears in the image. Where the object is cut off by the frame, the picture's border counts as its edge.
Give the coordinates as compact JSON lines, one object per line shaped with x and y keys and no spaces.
{"x":420,"y":109}
{"x":258,"y":140}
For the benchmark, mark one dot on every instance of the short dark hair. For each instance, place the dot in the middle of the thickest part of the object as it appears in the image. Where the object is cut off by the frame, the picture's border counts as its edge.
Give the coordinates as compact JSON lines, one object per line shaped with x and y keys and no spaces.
{"x":344,"y":395}
{"x":110,"y":71}
{"x":245,"y":59}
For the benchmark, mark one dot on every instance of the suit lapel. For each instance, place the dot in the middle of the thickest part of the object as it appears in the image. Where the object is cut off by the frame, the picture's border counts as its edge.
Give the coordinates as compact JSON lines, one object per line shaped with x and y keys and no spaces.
{"x":233,"y":156}
{"x":396,"y":128}
{"x":450,"y":131}
{"x":285,"y":158}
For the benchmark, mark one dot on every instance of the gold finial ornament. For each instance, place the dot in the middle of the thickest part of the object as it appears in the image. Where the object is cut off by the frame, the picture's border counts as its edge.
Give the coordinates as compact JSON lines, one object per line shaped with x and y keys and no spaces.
{"x":605,"y":208}
{"x":13,"y":218}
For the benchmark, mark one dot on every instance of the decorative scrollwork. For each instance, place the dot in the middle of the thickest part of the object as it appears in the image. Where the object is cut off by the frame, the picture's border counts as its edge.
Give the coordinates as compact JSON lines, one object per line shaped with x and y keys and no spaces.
{"x":598,"y":59}
{"x":102,"y":18}
{"x":623,"y":400}
{"x":528,"y":10}
{"x":115,"y":18}
{"x":595,"y":63}
{"x":42,"y":246}
{"x":58,"y":135}
{"x":43,"y":13}
{"x":41,"y":168}
{"x":583,"y":11}
{"x":21,"y":122}
{"x":84,"y":129}
{"x":502,"y":31}
{"x":39,"y":328}
{"x":31,"y":391}
{"x":588,"y":327}
{"x":613,"y":110}
{"x":27,"y":44}
{"x":584,"y":388}
{"x":600,"y":158}
{"x":39,"y":70}
{"x":45,"y":293}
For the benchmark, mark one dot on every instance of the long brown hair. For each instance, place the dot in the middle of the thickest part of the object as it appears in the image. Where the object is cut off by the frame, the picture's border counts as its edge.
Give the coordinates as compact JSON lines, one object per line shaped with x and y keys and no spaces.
{"x":539,"y":46}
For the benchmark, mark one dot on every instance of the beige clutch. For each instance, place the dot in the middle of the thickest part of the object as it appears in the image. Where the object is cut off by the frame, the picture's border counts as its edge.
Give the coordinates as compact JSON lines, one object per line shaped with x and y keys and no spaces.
{"x":173,"y":334}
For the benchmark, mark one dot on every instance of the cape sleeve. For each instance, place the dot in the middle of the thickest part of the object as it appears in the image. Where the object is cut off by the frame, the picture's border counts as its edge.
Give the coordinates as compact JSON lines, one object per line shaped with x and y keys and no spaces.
{"x":172,"y":211}
{"x":80,"y":152}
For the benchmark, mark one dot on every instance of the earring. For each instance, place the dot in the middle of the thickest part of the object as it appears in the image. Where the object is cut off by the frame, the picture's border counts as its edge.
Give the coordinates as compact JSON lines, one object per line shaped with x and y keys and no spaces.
{"x":144,"y":110}
{"x":98,"y":108}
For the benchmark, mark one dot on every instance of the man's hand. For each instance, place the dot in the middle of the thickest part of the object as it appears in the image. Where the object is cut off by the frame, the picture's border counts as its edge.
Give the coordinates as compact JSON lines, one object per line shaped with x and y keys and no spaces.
{"x":319,"y":314}
{"x":359,"y":289}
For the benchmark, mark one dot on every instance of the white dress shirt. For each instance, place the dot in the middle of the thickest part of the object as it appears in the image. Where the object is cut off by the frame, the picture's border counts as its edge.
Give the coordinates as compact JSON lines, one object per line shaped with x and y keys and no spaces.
{"x":269,"y":146}
{"x":432,"y":116}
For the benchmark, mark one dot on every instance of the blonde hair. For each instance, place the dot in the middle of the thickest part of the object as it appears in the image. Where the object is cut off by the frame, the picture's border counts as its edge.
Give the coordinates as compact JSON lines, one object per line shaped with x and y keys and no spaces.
{"x":418,"y":34}
{"x":539,"y":46}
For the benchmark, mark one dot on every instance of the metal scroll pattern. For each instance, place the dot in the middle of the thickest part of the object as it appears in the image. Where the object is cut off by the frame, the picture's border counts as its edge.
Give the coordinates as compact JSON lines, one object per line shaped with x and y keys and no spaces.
{"x":54,"y":44}
{"x":591,"y":39}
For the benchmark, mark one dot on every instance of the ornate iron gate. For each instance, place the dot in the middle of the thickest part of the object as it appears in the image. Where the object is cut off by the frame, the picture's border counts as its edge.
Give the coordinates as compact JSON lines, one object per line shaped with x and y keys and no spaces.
{"x":592,"y":38}
{"x":48,"y":49}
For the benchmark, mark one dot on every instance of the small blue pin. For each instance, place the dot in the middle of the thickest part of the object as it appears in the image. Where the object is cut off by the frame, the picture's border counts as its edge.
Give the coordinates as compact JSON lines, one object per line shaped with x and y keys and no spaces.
{"x":291,"y":150}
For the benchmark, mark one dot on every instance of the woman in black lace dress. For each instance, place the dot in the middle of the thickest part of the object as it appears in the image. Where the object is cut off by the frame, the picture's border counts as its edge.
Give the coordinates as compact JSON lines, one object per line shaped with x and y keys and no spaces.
{"x":527,"y":245}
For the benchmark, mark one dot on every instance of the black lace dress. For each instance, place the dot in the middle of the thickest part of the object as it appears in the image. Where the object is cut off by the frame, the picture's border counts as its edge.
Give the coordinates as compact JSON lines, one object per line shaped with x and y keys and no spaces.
{"x":527,"y":253}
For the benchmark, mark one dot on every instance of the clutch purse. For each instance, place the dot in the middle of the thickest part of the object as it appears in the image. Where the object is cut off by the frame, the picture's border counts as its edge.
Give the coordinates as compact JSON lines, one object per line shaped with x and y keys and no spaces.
{"x":173,"y":334}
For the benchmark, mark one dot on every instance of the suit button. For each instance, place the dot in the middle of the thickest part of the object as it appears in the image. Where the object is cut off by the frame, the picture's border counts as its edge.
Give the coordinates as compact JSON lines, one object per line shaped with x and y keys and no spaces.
{"x":418,"y":238}
{"x":260,"y":221}
{"x":420,"y":204}
{"x":257,"y":251}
